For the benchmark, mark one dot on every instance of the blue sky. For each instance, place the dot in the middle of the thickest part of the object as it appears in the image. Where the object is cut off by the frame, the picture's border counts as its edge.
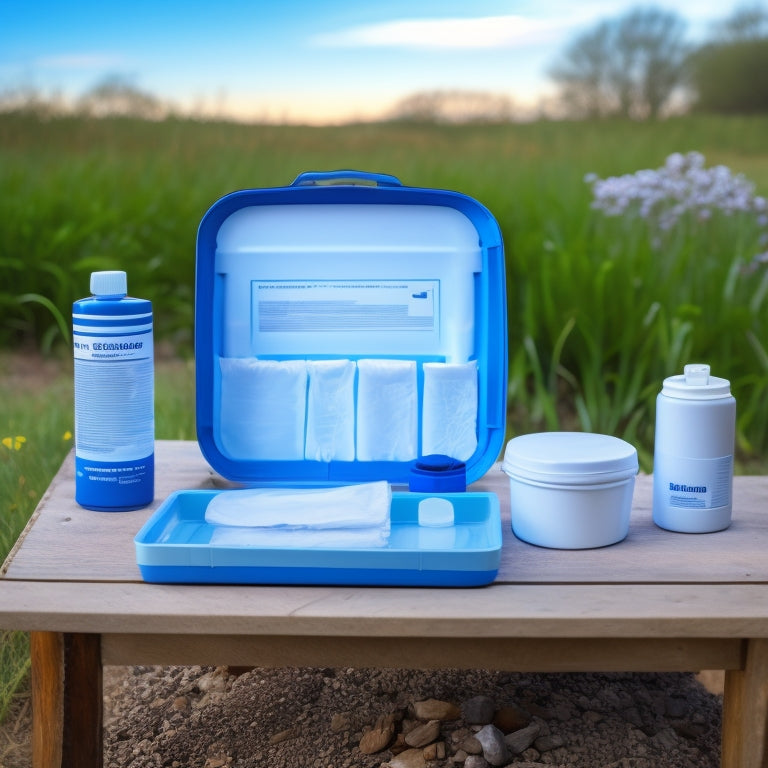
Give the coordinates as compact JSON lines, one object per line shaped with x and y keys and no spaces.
{"x":301,"y":60}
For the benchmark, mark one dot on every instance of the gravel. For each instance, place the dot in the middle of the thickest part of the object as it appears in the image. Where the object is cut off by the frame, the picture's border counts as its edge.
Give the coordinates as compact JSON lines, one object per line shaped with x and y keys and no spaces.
{"x":207,"y":717}
{"x":214,"y":717}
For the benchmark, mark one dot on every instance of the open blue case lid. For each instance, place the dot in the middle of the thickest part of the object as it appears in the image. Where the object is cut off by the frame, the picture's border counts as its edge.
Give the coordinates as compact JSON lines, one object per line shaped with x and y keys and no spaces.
{"x":345,"y":326}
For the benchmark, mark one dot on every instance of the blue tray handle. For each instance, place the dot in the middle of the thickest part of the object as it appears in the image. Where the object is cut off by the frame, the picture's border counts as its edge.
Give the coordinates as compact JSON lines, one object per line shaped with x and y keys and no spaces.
{"x":328,"y":178}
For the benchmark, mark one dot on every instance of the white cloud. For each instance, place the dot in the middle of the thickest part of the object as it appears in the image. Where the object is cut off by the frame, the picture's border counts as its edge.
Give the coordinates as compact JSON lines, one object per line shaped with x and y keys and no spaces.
{"x":482,"y":32}
{"x":81,"y":61}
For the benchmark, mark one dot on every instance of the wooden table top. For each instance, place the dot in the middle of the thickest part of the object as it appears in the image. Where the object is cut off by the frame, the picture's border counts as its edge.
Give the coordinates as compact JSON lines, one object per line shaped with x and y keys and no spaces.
{"x":75,"y":570}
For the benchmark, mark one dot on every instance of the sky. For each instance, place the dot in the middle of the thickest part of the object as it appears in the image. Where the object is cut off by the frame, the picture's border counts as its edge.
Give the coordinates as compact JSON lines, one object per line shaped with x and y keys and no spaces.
{"x":315,"y":61}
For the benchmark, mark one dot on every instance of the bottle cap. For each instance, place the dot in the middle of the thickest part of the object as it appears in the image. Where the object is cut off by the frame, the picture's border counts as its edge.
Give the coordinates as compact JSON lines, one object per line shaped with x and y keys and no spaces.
{"x":437,"y":473}
{"x":696,"y":384}
{"x":109,"y":284}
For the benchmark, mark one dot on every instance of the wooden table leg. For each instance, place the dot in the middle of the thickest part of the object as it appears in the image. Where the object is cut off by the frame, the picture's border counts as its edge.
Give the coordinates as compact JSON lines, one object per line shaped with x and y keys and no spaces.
{"x":745,"y":710}
{"x":66,"y":700}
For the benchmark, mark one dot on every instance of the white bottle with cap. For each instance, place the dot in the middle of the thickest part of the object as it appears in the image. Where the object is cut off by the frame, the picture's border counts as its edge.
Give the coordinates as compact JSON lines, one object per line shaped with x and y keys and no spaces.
{"x":693,"y":453}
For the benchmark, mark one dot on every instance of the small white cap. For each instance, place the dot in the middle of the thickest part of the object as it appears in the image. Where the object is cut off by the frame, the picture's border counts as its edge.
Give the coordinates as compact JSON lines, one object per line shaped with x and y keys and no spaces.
{"x":696,"y":374}
{"x":435,"y":512}
{"x":109,"y":283}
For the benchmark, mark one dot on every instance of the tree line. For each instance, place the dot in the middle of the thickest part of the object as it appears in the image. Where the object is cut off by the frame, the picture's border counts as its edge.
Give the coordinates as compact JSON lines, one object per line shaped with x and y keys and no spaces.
{"x":639,"y":65}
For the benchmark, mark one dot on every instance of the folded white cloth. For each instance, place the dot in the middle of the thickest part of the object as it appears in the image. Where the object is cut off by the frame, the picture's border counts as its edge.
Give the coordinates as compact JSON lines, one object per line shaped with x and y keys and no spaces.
{"x":331,"y":410}
{"x":449,"y":417}
{"x":263,"y":408}
{"x":302,"y":538}
{"x":387,"y":410}
{"x":352,"y":515}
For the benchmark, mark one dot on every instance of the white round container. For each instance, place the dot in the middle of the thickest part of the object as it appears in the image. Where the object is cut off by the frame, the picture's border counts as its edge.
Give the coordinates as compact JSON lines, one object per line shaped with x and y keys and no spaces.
{"x":693,"y":452}
{"x":570,"y":490}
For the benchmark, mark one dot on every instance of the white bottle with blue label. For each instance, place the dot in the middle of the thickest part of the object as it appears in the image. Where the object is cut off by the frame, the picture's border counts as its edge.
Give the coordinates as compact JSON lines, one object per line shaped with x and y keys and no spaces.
{"x":693,"y":453}
{"x":114,"y":397}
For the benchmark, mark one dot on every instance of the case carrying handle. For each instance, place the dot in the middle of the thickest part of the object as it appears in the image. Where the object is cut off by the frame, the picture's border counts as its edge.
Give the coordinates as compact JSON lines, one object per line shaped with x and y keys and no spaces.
{"x":355,"y":178}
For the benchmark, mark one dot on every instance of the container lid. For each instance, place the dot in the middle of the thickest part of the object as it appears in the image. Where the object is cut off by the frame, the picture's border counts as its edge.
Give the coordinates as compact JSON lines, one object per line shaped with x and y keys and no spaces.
{"x":437,"y":473}
{"x":569,"y":458}
{"x":696,"y":384}
{"x":109,"y":284}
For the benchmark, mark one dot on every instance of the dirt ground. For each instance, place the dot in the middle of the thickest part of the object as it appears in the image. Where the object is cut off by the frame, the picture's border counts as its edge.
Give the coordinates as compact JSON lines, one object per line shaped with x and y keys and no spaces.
{"x":166,"y":716}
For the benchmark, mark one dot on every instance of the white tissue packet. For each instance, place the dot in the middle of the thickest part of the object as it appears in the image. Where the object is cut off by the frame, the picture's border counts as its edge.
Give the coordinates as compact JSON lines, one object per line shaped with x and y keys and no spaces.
{"x":331,"y":410}
{"x":449,"y":413}
{"x":387,"y":410}
{"x":263,"y":408}
{"x":352,"y":512}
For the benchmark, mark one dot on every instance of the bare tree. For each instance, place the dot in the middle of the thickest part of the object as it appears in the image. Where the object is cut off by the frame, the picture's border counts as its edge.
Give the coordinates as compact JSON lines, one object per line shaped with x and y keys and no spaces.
{"x":116,"y":95}
{"x":746,"y":23}
{"x":628,"y":66}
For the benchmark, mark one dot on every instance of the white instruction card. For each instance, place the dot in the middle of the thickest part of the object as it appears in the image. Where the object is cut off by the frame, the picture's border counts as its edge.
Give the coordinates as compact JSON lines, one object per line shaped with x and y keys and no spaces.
{"x":327,"y":306}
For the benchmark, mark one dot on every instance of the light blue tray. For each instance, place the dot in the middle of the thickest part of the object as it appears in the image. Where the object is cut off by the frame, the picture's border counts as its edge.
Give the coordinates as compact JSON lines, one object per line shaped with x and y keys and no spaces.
{"x":174,"y":546}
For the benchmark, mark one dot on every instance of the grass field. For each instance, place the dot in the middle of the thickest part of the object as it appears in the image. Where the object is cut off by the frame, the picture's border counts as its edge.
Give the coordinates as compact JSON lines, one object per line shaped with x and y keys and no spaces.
{"x":598,"y":314}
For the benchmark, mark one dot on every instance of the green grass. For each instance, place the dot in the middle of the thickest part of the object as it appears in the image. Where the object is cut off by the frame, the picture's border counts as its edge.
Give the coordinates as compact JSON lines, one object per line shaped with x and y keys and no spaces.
{"x":36,"y":418}
{"x":598,"y":317}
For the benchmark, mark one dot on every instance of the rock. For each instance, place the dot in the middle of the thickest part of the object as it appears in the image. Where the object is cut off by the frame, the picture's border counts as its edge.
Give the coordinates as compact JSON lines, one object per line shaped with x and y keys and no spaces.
{"x":281,"y":736}
{"x":423,"y":734}
{"x":479,"y":710}
{"x":495,"y":749}
{"x":687,"y":730}
{"x":476,"y":761}
{"x":213,"y":682}
{"x":398,"y":745}
{"x":472,"y":746}
{"x":434,"y":751}
{"x":411,"y":758}
{"x":180,"y":703}
{"x":340,"y":722}
{"x":435,"y":709}
{"x":379,"y":737}
{"x":511,"y":718}
{"x":548,"y":743}
{"x":666,"y":739}
{"x":520,"y":740}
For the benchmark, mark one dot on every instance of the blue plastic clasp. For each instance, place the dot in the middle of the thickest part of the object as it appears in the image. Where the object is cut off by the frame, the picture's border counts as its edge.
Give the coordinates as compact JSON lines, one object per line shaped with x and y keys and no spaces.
{"x":348,"y":178}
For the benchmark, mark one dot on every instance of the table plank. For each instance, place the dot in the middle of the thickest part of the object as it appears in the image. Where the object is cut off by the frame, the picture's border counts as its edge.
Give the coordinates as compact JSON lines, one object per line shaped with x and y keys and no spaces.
{"x":560,"y":610}
{"x":515,"y":654}
{"x":67,"y":542}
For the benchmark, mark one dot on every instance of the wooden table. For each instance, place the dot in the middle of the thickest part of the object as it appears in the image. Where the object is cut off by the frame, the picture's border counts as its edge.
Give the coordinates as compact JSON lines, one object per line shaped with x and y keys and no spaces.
{"x":658,"y":601}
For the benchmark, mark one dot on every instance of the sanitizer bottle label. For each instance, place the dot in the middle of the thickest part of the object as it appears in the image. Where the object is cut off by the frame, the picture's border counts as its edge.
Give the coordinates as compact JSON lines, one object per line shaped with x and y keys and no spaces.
{"x":684,"y":483}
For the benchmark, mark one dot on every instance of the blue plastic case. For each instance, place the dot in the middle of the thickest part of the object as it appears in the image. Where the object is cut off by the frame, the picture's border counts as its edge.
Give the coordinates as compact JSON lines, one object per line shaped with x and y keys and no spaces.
{"x":346,"y":326}
{"x":395,"y":290}
{"x":174,"y":546}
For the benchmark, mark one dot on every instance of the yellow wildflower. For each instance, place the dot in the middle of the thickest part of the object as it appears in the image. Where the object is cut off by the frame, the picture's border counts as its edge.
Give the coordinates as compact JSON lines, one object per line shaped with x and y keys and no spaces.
{"x":14,"y":443}
{"x":67,"y":435}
